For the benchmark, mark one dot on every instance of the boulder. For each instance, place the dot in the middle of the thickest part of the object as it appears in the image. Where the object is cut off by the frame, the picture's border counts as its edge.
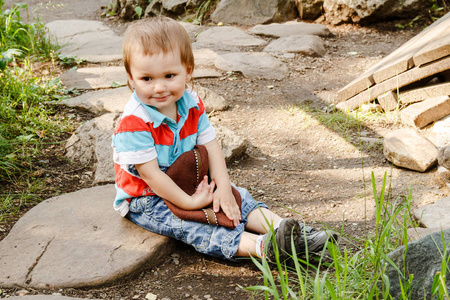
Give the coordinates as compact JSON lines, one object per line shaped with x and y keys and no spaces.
{"x":309,"y":9}
{"x":77,"y":240}
{"x":308,"y":45}
{"x":440,"y":133}
{"x":211,"y":100}
{"x":125,"y":9}
{"x":172,"y":8}
{"x":423,"y":260}
{"x":91,"y":144}
{"x":369,"y":11}
{"x":204,"y":57}
{"x":408,"y":149}
{"x":233,"y":146}
{"x":444,"y":157}
{"x":251,"y":12}
{"x":253,"y":65}
{"x":290,"y":28}
{"x":444,"y":175}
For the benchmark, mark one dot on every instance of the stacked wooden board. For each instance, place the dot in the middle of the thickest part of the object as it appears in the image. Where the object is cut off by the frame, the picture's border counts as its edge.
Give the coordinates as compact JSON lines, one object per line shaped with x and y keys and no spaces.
{"x":423,"y":57}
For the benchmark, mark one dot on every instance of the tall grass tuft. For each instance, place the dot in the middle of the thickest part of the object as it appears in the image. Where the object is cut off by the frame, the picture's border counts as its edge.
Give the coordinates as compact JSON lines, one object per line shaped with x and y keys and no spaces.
{"x":28,"y":121}
{"x":356,"y":272}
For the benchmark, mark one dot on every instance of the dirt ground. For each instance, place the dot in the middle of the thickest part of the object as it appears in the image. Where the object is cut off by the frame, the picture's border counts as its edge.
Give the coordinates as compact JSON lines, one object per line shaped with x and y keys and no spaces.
{"x":298,"y":166}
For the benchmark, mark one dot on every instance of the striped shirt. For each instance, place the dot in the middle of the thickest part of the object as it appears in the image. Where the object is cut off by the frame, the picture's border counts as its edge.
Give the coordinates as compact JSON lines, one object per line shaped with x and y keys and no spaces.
{"x":143,"y":134}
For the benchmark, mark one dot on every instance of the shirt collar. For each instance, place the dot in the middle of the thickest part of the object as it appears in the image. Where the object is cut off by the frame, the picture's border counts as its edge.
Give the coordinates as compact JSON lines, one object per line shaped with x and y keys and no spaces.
{"x":184,"y":104}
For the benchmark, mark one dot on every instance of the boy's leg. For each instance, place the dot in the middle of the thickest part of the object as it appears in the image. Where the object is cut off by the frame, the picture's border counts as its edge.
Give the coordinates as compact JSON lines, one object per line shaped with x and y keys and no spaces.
{"x":247,"y":245}
{"x":260,"y":219}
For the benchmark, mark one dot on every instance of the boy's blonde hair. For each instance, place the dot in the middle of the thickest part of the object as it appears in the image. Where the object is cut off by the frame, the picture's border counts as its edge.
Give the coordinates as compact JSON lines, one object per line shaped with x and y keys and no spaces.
{"x":156,"y":35}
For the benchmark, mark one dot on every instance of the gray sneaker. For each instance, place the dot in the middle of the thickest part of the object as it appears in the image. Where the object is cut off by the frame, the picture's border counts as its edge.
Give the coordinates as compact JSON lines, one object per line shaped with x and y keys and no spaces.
{"x":316,"y":240}
{"x":288,"y":228}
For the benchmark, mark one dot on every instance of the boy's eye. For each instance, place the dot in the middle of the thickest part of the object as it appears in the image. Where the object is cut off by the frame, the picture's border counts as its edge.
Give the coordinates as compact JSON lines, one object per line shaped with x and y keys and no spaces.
{"x":146,"y":78}
{"x":170,"y":76}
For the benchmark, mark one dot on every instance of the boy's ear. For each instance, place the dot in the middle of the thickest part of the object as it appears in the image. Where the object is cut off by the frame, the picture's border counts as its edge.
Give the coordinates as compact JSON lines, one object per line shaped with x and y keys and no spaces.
{"x":189,"y":71}
{"x":130,"y":80}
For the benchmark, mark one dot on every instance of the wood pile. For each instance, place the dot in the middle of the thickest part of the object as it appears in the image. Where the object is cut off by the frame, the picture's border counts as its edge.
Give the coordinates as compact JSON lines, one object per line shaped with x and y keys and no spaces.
{"x":417,"y":71}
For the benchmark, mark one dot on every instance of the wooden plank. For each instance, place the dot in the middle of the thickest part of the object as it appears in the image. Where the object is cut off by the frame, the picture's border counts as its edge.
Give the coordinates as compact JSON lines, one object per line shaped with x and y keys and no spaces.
{"x":395,"y":63}
{"x":440,"y":47}
{"x":420,"y":94}
{"x":356,"y":86}
{"x":399,"y":81}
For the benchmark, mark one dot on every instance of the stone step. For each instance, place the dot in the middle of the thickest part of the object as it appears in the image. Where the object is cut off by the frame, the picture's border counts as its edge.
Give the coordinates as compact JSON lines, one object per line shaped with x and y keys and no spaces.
{"x":89,"y":40}
{"x":77,"y":240}
{"x":434,"y":215}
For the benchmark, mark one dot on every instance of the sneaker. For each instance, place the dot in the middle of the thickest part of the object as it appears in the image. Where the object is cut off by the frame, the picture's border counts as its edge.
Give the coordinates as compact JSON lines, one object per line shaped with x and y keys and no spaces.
{"x":288,"y":228}
{"x":316,"y":240}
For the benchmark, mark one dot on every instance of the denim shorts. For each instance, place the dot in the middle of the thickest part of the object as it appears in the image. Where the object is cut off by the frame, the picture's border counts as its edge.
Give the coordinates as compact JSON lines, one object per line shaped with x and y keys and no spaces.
{"x":151,"y":213}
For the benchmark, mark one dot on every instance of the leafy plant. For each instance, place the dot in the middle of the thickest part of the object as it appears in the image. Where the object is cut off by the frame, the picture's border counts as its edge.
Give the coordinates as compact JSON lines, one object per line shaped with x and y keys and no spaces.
{"x":355,"y":272}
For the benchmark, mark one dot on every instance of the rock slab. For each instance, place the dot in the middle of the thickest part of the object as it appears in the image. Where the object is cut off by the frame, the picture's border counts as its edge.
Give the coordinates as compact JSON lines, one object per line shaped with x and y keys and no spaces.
{"x":308,"y":45}
{"x":94,"y":78}
{"x":90,"y":40}
{"x":290,"y":28}
{"x":224,"y":37}
{"x":258,"y":64}
{"x":434,"y":215}
{"x":423,"y":259}
{"x":408,"y":149}
{"x":101,"y":101}
{"x":77,"y":240}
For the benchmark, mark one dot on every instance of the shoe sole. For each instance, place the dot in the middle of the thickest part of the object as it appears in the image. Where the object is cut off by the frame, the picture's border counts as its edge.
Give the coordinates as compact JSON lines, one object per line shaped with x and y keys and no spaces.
{"x":287,"y":229}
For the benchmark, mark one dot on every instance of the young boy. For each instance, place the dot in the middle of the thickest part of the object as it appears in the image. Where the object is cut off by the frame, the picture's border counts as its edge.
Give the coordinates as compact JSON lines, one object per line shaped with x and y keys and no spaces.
{"x":163,"y":120}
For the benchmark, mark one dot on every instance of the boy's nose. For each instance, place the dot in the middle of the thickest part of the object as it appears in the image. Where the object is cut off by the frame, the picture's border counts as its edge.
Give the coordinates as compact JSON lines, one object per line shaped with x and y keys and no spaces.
{"x":160,"y":86}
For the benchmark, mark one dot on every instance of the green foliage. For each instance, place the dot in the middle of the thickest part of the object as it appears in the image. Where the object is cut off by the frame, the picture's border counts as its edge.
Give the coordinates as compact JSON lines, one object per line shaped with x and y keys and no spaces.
{"x":30,"y":39}
{"x":27,"y":118}
{"x":205,"y":9}
{"x":354,"y":271}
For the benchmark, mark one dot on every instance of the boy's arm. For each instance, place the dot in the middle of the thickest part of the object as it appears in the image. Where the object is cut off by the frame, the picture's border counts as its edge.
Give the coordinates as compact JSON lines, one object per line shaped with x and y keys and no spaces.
{"x":223,"y":196}
{"x":163,"y":186}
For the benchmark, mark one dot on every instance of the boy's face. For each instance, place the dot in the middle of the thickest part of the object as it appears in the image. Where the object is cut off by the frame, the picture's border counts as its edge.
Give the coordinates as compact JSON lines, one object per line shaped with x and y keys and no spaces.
{"x":159,"y":80}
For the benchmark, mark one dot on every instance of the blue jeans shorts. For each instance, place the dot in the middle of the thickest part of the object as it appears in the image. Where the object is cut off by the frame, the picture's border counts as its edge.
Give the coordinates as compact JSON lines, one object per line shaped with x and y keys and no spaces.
{"x":151,"y":213}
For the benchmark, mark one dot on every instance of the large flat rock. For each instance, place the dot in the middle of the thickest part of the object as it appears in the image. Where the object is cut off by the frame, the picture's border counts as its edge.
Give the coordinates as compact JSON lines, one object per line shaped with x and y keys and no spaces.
{"x":309,"y":45}
{"x":101,"y":101}
{"x":290,"y":28}
{"x":77,"y":240}
{"x":94,"y":78}
{"x":253,"y":65}
{"x":434,"y":215}
{"x":226,"y":38}
{"x":90,"y":40}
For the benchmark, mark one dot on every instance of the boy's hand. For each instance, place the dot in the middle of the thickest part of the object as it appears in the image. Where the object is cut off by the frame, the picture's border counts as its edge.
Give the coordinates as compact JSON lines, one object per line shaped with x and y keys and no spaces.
{"x":223,"y":198}
{"x":203,"y":196}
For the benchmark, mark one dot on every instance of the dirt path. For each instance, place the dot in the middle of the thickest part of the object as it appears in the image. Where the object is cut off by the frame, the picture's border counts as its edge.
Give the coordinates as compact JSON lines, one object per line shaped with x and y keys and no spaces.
{"x":297,"y":165}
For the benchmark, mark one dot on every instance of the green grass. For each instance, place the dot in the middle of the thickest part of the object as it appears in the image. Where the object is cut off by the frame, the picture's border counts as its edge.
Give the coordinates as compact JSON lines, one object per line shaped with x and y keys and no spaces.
{"x":354,"y":269}
{"x":28,"y":119}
